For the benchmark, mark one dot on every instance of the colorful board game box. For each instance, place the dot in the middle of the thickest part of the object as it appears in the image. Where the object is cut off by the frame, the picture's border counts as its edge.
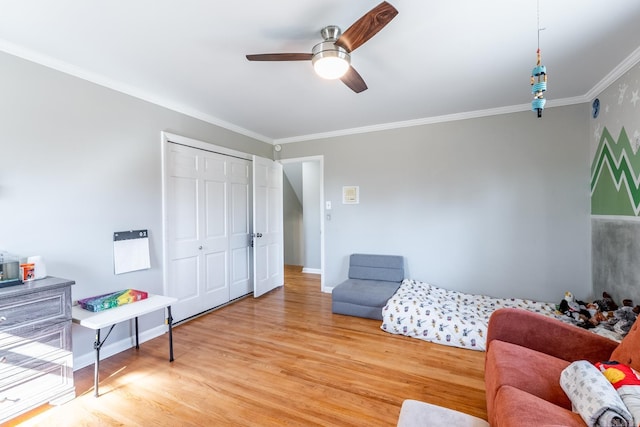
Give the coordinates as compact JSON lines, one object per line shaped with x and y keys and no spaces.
{"x":114,"y":299}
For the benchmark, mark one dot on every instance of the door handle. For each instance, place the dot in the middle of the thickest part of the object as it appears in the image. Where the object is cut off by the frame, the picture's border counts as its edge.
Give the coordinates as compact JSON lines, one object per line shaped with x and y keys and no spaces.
{"x":254,"y":236}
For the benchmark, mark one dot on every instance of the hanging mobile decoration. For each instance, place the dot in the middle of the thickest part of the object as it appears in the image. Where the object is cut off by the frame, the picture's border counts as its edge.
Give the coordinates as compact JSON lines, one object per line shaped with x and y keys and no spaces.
{"x":538,"y":78}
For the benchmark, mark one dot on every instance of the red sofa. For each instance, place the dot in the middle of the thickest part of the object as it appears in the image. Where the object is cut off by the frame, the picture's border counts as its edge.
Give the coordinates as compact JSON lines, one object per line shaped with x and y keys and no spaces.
{"x":526,"y":352}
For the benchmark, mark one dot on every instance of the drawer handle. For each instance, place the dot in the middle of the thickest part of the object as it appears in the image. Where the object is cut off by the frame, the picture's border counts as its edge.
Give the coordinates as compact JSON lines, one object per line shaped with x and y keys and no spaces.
{"x":2,"y":319}
{"x":3,"y":359}
{"x":8,"y":399}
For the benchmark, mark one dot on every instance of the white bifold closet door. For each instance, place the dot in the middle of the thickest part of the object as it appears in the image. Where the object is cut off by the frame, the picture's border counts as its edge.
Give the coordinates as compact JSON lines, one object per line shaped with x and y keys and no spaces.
{"x":207,"y":229}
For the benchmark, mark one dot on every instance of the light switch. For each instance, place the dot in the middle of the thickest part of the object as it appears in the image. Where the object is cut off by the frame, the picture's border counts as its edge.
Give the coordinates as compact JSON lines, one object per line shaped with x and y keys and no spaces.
{"x":328,"y":205}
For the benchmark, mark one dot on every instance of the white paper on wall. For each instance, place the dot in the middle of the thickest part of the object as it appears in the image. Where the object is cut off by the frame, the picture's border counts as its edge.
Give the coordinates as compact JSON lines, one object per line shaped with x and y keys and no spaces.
{"x":130,"y":251}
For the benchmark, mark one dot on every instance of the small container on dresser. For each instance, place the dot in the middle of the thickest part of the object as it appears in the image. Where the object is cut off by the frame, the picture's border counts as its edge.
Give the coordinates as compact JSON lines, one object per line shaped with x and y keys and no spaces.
{"x":36,"y":359}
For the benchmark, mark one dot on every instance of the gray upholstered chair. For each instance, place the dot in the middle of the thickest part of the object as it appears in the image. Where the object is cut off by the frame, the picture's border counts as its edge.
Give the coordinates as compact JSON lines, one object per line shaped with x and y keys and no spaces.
{"x":373,"y":279}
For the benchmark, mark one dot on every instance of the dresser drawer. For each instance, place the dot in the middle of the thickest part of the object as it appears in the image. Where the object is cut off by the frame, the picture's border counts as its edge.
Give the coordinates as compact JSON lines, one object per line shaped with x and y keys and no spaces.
{"x":53,"y":382}
{"x":22,"y":353}
{"x":33,"y":309}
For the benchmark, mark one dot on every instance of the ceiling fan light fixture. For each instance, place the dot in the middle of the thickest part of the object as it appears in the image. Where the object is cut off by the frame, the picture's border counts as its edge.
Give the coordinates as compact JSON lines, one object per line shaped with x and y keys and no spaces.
{"x":330,"y":61}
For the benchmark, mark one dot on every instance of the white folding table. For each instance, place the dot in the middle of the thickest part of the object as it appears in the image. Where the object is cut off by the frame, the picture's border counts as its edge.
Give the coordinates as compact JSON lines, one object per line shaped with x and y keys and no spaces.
{"x":101,"y":319}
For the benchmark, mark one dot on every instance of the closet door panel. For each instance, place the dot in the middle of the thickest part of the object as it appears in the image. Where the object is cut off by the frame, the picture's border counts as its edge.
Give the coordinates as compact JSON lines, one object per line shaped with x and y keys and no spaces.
{"x":183,"y":229}
{"x":216,"y":275}
{"x":184,"y":276}
{"x":239,"y":201}
{"x":215,"y":245}
{"x":215,"y":210}
{"x":185,"y":222}
{"x":240,"y":271}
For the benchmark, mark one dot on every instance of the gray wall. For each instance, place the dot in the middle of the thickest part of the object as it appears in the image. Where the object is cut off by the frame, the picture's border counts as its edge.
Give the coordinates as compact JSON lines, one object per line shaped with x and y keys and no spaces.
{"x":293,"y":231}
{"x":311,"y":214}
{"x":496,"y":205}
{"x":79,"y":162}
{"x":616,"y":248}
{"x":616,"y":230}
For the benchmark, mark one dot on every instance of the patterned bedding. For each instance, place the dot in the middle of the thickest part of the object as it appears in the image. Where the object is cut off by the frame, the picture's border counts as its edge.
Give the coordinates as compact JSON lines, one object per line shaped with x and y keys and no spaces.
{"x":452,"y":318}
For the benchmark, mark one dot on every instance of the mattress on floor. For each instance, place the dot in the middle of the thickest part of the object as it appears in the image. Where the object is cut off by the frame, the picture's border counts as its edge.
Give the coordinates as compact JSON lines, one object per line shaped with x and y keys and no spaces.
{"x":452,"y":318}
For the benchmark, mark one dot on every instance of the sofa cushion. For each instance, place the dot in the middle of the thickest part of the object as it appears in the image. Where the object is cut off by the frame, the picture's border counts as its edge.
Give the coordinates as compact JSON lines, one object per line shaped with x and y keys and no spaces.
{"x":533,"y":372}
{"x":371,"y":293}
{"x":518,"y":408}
{"x":532,"y":330}
{"x":628,"y":352}
{"x":376,"y":267}
{"x":357,"y":310}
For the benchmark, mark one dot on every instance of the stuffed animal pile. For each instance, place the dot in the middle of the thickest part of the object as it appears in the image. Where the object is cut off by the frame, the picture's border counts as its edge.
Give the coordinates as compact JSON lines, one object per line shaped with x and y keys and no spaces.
{"x":604,"y":311}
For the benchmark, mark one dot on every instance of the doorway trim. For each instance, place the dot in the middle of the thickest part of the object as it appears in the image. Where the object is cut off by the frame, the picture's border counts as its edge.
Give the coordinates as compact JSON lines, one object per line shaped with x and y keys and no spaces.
{"x":183,"y":140}
{"x":319,"y":159}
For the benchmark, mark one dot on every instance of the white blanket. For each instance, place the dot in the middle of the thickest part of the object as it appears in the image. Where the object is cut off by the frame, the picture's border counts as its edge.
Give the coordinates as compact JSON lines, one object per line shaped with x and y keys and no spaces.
{"x":593,"y":396}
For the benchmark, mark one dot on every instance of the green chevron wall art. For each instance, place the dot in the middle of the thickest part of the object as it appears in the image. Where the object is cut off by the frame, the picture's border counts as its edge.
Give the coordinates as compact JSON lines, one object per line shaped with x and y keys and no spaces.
{"x":615,"y":184}
{"x":615,"y":166}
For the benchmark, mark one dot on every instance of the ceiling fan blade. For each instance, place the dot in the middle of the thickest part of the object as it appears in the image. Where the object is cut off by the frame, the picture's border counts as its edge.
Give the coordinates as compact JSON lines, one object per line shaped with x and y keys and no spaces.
{"x":367,"y":26}
{"x":280,"y":57}
{"x":354,"y":80}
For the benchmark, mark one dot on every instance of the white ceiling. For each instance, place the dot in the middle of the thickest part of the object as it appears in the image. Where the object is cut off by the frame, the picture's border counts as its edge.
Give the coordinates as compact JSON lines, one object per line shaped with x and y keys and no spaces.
{"x":436,"y":60}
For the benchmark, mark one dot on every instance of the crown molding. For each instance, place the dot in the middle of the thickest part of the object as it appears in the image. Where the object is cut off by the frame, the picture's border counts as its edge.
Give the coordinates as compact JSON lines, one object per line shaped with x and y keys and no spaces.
{"x":135,"y":92}
{"x":627,"y":64}
{"x":47,"y":61}
{"x":404,"y":124}
{"x":431,"y":120}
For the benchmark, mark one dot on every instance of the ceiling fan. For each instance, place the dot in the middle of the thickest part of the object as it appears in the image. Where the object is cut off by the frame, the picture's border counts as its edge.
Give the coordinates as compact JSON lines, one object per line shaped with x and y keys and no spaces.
{"x":331,"y":58}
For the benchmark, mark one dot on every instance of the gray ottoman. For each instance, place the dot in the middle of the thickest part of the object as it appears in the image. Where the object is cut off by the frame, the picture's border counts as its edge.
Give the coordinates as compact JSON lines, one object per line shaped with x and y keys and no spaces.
{"x":373,"y":279}
{"x":421,"y":414}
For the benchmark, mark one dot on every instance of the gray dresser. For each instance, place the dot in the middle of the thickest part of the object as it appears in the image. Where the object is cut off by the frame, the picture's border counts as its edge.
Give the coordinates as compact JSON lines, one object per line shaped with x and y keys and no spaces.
{"x":36,"y":359}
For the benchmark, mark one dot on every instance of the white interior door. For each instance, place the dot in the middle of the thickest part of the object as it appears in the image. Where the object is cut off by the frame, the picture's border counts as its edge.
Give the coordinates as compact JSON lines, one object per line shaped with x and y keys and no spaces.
{"x":268,"y":251}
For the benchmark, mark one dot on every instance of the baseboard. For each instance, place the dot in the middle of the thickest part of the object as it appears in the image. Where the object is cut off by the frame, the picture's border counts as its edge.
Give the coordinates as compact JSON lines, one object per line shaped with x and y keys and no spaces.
{"x":311,"y":270}
{"x":109,"y":349}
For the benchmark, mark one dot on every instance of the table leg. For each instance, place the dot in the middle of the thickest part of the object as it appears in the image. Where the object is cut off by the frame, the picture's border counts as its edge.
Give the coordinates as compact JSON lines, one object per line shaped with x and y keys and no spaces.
{"x":96,"y":346}
{"x":170,"y":322}
{"x":137,"y":341}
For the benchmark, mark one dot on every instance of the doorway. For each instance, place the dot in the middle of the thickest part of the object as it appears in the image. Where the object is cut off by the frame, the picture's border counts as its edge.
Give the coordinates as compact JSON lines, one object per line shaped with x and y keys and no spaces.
{"x":303,"y":207}
{"x":222,"y":225}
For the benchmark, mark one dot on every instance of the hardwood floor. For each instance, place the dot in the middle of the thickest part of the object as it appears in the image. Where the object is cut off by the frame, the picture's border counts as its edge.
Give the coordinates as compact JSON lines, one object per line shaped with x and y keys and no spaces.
{"x":282,"y":359}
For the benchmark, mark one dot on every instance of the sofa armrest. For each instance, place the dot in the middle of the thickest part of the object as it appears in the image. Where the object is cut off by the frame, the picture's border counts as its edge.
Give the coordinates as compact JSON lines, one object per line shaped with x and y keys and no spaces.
{"x":548,"y":335}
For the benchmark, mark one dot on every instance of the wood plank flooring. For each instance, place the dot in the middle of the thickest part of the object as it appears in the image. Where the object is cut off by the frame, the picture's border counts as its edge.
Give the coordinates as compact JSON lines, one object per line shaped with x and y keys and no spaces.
{"x":282,"y":359}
